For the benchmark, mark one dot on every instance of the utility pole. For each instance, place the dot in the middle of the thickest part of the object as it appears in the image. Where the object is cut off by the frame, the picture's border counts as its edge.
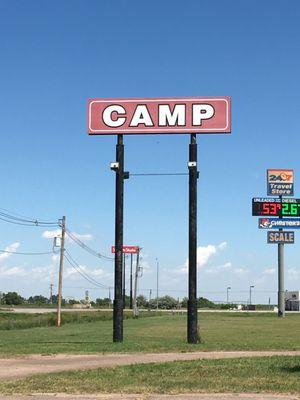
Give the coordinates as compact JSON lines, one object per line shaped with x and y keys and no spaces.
{"x":51,"y":293}
{"x":281,"y":296}
{"x":109,"y":297}
{"x":135,"y":308}
{"x":130,"y":300}
{"x":250,"y":299}
{"x":228,"y":288}
{"x":61,"y":266}
{"x":118,"y":300}
{"x":157,"y":270}
{"x":192,"y":317}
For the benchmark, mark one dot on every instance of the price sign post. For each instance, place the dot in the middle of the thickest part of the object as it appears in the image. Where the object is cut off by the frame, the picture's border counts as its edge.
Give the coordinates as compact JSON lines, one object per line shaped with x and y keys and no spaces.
{"x":280,"y":182}
{"x":190,"y":115}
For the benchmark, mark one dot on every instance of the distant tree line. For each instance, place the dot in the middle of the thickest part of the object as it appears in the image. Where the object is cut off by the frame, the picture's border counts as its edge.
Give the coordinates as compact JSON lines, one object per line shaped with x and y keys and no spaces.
{"x":162,"y":303}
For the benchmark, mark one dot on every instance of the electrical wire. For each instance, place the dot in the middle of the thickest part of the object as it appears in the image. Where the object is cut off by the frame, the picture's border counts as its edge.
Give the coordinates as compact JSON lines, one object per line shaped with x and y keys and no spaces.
{"x":161,"y":174}
{"x":79,"y":269}
{"x":87,"y":248}
{"x":21,"y":215}
{"x":82,"y":274}
{"x":27,"y":253}
{"x":17,"y":220}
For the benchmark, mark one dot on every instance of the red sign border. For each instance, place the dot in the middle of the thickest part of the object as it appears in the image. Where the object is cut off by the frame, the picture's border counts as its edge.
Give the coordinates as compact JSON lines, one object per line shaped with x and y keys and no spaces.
{"x":145,"y":131}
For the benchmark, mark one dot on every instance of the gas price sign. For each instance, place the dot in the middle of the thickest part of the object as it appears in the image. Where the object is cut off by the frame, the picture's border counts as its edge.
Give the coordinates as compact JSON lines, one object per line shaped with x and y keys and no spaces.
{"x":275,"y":207}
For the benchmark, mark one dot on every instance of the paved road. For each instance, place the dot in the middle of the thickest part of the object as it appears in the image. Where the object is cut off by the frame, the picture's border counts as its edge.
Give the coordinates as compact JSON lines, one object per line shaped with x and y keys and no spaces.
{"x":153,"y":397}
{"x":12,"y":368}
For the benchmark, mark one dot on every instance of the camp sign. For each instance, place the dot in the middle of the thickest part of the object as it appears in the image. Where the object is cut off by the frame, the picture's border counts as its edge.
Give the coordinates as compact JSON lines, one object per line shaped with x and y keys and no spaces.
{"x":280,"y":182}
{"x":159,"y":115}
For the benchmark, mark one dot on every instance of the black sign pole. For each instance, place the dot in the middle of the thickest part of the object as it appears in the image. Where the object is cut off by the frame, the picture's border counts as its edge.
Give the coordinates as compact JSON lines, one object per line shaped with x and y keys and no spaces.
{"x":124,"y":285}
{"x":192,"y":317}
{"x":118,"y":300}
{"x":131,"y":261}
{"x":281,"y":297}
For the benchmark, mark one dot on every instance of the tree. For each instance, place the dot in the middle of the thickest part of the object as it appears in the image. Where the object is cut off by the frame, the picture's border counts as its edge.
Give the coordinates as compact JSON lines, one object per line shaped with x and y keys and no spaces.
{"x":12,"y":298}
{"x":167,"y":302}
{"x":202,"y":303}
{"x":142,"y":301}
{"x":39,"y":299}
{"x":184,"y":302}
{"x":102,"y":302}
{"x":205,"y":303}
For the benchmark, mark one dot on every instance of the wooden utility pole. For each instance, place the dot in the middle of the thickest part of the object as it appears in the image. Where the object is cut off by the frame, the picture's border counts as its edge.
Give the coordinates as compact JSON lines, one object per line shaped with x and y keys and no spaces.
{"x":61,"y":266}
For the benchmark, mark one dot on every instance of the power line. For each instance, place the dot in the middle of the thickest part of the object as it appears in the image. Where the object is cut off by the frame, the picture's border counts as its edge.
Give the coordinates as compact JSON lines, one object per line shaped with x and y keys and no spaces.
{"x":87,"y":248}
{"x":161,"y":174}
{"x":79,"y":269}
{"x":27,"y":253}
{"x":14,"y":219}
{"x":21,"y":215}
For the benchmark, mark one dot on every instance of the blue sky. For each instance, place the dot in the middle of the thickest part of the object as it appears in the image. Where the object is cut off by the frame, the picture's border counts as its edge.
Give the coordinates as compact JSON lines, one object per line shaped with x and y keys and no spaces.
{"x":56,"y":55}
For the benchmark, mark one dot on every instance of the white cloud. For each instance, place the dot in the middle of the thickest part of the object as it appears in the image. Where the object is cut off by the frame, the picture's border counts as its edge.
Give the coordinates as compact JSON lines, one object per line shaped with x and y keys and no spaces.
{"x":51,"y":234}
{"x":240,"y":271}
{"x":85,"y":236}
{"x":57,"y":233}
{"x":55,"y":257}
{"x":269,"y":271}
{"x":11,"y":248}
{"x":44,"y":274}
{"x":222,"y":245}
{"x":224,"y":267}
{"x":14,"y":271}
{"x":293,"y":274}
{"x":204,"y":254}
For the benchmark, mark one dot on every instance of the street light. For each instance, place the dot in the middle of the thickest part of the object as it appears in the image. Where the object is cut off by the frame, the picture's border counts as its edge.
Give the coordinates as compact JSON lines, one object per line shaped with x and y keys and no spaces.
{"x":251,"y":287}
{"x":228,"y":288}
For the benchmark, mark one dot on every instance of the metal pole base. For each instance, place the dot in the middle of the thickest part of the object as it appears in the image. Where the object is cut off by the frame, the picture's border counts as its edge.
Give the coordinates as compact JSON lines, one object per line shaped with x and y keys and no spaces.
{"x":118,"y":316}
{"x":192,"y":308}
{"x":281,"y":304}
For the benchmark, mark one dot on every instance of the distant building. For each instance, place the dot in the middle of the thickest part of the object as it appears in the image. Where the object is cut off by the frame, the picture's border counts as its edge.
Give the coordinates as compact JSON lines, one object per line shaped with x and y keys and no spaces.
{"x":292,"y":301}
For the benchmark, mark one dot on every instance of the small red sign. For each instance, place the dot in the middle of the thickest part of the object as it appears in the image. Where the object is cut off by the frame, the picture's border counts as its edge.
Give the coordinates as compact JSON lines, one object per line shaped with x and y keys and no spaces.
{"x":162,"y":115}
{"x":127,"y":249}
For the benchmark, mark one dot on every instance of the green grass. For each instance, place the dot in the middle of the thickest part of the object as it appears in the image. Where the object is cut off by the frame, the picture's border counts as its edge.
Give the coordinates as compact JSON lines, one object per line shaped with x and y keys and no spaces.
{"x":10,"y":321}
{"x":269,"y":374}
{"x":219,"y":331}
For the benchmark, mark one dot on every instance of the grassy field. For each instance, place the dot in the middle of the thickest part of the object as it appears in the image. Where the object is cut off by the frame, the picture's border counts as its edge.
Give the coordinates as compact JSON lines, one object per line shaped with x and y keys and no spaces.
{"x":219,"y":331}
{"x":9,"y":321}
{"x":274,"y":374}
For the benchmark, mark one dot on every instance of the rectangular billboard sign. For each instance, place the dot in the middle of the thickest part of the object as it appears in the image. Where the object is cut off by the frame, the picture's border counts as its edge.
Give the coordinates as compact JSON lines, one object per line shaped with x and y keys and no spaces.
{"x":275,"y":207}
{"x":127,"y":249}
{"x":159,"y":115}
{"x":276,"y":237}
{"x":276,"y":223}
{"x":280,"y":182}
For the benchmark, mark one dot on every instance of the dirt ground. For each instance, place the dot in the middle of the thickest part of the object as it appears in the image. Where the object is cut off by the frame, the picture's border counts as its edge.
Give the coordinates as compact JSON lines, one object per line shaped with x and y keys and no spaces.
{"x":154,"y":397}
{"x":20,"y":367}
